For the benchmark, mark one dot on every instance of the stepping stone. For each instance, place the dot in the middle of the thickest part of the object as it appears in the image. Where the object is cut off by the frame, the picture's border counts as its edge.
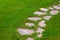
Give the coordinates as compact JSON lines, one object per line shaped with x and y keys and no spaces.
{"x":29,"y":24}
{"x":51,"y":8}
{"x":29,"y":38}
{"x":39,"y":35}
{"x":40,"y":30}
{"x":57,"y":7}
{"x":54,"y":12}
{"x":42,"y":23}
{"x":47,"y":17}
{"x":44,"y":9}
{"x":34,"y":18}
{"x":39,"y":13}
{"x":25,"y":31}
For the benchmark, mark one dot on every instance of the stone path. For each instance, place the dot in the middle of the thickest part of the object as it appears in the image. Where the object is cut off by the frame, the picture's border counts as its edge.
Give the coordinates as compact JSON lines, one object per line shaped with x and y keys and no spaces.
{"x":54,"y":10}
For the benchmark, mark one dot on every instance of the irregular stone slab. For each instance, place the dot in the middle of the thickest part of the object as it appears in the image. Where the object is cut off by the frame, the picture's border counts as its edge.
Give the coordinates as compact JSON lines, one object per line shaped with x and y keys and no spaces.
{"x":42,"y":23}
{"x":39,"y":13}
{"x":54,"y":12}
{"x":25,"y":31}
{"x":47,"y":17}
{"x":40,"y":30}
{"x":57,"y":7}
{"x":34,"y":18}
{"x":29,"y":24}
{"x":39,"y":35}
{"x":51,"y":8}
{"x":44,"y":9}
{"x":29,"y":38}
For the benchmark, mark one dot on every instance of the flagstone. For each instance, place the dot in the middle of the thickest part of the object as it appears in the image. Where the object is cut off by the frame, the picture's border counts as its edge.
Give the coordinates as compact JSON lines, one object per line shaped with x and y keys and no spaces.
{"x":42,"y":23}
{"x":40,"y":30}
{"x":34,"y":18}
{"x":39,"y":13}
{"x":29,"y":38}
{"x":54,"y":12}
{"x":44,"y":9}
{"x":57,"y":7}
{"x":47,"y":17}
{"x":29,"y":24}
{"x":39,"y":35}
{"x":25,"y":31}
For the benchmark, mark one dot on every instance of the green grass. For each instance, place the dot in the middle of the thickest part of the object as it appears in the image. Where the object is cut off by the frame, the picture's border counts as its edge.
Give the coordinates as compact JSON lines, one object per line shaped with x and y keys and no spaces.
{"x":14,"y":13}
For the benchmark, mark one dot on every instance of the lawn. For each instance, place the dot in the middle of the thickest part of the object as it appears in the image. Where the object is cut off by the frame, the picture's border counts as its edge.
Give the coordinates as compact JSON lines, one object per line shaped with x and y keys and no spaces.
{"x":14,"y":13}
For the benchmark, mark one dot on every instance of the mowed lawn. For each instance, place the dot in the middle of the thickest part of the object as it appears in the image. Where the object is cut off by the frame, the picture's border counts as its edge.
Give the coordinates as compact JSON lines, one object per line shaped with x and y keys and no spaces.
{"x":14,"y":13}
